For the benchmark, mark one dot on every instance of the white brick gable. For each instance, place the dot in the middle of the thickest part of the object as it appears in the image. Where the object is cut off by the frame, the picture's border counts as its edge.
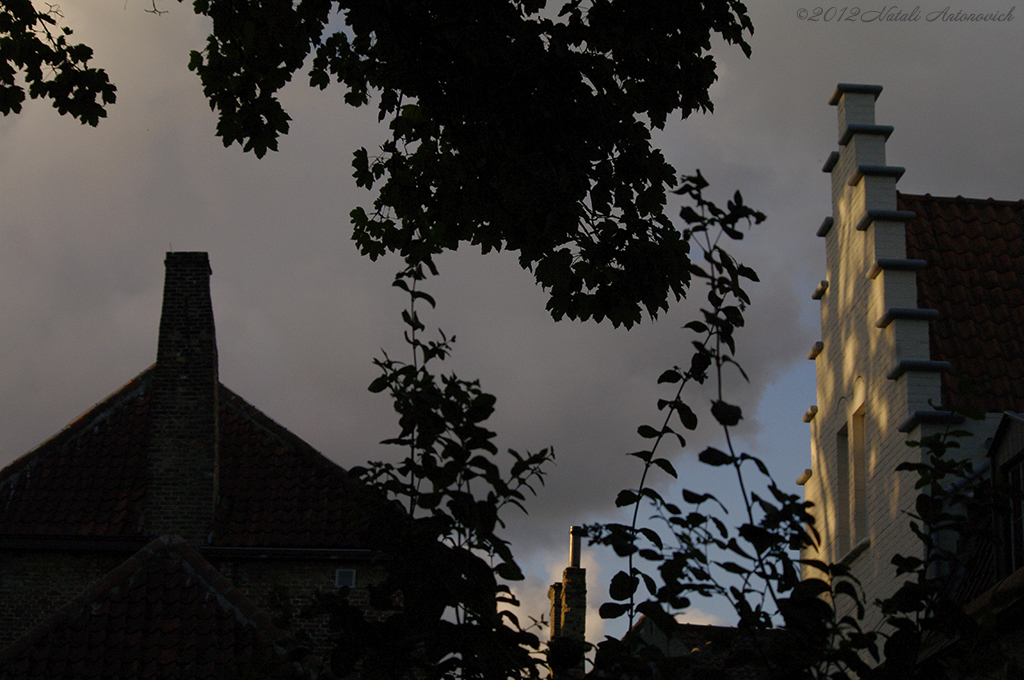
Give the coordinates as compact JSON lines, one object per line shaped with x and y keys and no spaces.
{"x":877,"y":386}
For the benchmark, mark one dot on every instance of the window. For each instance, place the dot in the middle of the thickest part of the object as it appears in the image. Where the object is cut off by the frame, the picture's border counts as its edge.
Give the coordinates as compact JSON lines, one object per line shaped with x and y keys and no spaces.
{"x":345,"y":578}
{"x":1015,"y":522}
{"x":851,"y":485}
{"x":842,"y":505}
{"x":858,"y":492}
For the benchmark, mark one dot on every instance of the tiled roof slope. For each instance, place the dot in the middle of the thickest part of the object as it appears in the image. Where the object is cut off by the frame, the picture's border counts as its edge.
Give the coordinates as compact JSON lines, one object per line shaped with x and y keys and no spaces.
{"x":704,"y":651}
{"x":974,"y":277}
{"x":277,"y":490}
{"x":90,"y":480}
{"x":164,"y":613}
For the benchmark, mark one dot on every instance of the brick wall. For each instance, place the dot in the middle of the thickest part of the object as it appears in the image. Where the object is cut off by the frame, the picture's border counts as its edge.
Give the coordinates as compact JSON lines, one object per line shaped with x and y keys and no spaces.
{"x":302,"y":579}
{"x":857,"y":400}
{"x":866,"y":334}
{"x":183,"y":447}
{"x":569,"y":611}
{"x":34,"y":585}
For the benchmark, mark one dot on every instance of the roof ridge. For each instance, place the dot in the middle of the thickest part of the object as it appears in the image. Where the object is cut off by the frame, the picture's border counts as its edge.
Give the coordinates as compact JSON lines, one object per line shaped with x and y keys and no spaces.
{"x":958,"y":199}
{"x":94,"y":414}
{"x":176,"y":548}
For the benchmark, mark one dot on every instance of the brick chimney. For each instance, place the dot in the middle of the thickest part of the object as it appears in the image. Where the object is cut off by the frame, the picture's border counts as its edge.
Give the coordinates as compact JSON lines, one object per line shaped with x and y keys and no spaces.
{"x":181,"y":493}
{"x":569,"y":613}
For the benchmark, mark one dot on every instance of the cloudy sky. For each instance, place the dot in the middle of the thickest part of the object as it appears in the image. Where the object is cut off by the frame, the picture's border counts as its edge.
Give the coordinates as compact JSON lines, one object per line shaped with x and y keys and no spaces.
{"x":86,"y":215}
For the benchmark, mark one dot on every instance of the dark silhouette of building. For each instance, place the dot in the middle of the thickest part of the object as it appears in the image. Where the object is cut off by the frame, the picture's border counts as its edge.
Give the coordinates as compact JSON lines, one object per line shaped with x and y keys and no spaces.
{"x":174,"y":453}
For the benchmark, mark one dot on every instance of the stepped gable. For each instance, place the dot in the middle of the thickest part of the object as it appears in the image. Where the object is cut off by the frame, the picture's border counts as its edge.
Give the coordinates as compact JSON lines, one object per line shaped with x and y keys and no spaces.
{"x":974,"y":277}
{"x":164,"y":613}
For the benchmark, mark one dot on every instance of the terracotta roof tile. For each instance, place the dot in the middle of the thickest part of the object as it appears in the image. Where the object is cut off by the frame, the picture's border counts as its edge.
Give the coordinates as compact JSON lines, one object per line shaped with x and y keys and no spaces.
{"x":200,"y":627}
{"x":277,"y":490}
{"x":90,"y":480}
{"x":975,"y":254}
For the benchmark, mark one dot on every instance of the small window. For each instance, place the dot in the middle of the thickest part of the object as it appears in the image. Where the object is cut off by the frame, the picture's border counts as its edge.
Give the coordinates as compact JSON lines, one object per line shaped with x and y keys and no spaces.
{"x":345,"y":578}
{"x":858,"y":491}
{"x":842,"y":505}
{"x":1015,"y":544}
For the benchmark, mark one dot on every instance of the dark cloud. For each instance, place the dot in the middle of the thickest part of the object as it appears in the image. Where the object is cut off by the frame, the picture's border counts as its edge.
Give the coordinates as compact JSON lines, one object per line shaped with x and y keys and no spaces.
{"x":88,"y":213}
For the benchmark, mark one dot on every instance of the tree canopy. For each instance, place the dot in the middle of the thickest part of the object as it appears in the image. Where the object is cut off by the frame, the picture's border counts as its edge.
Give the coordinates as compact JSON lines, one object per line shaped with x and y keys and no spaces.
{"x":33,"y":43}
{"x":513,"y":125}
{"x":510,"y":128}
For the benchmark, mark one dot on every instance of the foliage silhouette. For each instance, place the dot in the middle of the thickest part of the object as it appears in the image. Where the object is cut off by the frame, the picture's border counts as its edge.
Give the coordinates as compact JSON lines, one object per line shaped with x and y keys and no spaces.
{"x":925,"y":631}
{"x":510,"y":127}
{"x":445,"y":562}
{"x":34,"y":43}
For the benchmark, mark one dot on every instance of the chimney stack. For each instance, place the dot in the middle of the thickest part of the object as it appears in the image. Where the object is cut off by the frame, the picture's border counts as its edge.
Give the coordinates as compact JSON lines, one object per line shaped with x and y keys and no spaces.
{"x":569,"y":612}
{"x":182,"y":461}
{"x":575,"y":540}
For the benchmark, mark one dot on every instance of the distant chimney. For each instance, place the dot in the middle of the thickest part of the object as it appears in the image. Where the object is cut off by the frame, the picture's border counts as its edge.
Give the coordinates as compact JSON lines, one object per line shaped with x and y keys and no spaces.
{"x":183,"y":440}
{"x":569,"y":614}
{"x":575,"y":541}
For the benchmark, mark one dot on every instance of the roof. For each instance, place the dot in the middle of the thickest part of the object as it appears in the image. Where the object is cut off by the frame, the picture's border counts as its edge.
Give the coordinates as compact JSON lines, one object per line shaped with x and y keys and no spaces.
{"x":164,"y":613}
{"x":701,"y":651}
{"x":89,"y":480}
{"x":974,"y":277}
{"x":277,"y":490}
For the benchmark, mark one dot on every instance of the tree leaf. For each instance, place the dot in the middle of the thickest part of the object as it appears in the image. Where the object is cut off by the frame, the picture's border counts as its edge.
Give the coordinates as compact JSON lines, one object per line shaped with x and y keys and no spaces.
{"x":626,"y":498}
{"x":666,"y":466}
{"x":727,"y":415}
{"x":622,"y":586}
{"x":670,"y":376}
{"x":647,"y":432}
{"x":379,"y":384}
{"x":612,"y":610}
{"x":714,"y":457}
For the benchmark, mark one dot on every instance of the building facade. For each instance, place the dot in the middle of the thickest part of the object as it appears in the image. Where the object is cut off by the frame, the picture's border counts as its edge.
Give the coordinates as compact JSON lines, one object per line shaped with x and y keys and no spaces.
{"x":176,"y":453}
{"x":921,"y":318}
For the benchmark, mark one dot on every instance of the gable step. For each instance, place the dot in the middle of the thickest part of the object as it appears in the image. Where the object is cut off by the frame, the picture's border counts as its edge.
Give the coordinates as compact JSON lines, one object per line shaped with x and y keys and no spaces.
{"x":911,"y":313}
{"x":863,"y":171}
{"x":918,"y":366}
{"x":885,"y":264}
{"x":929,"y":418}
{"x":872,"y":216}
{"x":862,"y":129}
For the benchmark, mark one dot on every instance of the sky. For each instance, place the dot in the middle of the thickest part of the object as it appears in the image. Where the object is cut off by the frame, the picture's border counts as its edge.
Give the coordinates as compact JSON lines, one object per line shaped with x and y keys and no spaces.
{"x":86,"y":215}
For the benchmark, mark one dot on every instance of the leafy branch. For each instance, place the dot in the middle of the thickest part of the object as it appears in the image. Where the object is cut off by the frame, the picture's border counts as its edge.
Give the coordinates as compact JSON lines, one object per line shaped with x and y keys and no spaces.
{"x":445,"y":559}
{"x":33,"y":43}
{"x":512,"y":127}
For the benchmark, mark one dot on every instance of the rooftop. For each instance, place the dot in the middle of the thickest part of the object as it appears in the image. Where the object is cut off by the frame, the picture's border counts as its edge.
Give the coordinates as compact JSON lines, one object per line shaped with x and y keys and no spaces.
{"x":165,"y":612}
{"x":248,"y":481}
{"x":974,"y":277}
